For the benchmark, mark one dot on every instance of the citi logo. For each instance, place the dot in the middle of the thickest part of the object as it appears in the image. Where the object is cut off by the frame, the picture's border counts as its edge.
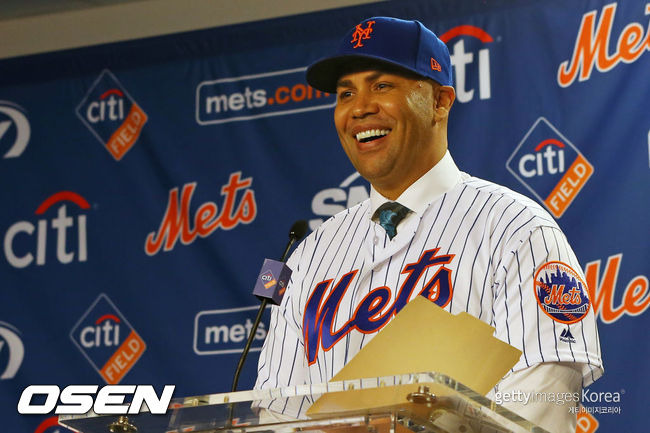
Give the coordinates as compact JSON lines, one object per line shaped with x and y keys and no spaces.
{"x":26,"y":243}
{"x":550,"y":166}
{"x":109,"y":107}
{"x":112,"y":115}
{"x":250,"y":97}
{"x":470,"y":73}
{"x":545,"y":159}
{"x":11,"y":349}
{"x":107,"y":340}
{"x":14,"y":129}
{"x":330,"y":201}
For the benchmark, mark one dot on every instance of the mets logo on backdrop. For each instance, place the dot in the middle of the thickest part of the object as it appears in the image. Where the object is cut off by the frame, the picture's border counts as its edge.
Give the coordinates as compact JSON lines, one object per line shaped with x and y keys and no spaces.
{"x":112,"y":115}
{"x":107,"y":340}
{"x":561,"y":292}
{"x":550,"y":166}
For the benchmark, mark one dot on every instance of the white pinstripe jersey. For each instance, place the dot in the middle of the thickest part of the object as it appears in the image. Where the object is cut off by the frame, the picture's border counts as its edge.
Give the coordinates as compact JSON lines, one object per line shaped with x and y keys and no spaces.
{"x":475,"y":248}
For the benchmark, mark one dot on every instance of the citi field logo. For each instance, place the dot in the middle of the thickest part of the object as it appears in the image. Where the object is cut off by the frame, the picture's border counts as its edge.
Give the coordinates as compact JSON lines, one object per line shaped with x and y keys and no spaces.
{"x":550,"y":166}
{"x":12,"y":351}
{"x":219,"y":332}
{"x":25,"y":242}
{"x":470,"y":72}
{"x":330,"y":201}
{"x":592,"y":46}
{"x":250,"y":97}
{"x":561,"y":293}
{"x":107,"y":340}
{"x":112,"y":115}
{"x":14,"y":129}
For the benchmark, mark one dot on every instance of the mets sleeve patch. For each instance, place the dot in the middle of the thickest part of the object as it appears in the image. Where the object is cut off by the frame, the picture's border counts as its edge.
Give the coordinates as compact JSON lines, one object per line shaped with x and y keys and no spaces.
{"x":561,"y":292}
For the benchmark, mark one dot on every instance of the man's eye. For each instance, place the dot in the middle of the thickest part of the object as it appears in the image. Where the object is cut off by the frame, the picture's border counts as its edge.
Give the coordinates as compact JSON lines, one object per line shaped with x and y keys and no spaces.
{"x":383,"y":86}
{"x":345,"y":94}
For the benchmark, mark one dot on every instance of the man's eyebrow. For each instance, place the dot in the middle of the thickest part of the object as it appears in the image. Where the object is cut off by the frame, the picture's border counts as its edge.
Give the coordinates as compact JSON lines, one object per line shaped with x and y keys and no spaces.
{"x":369,"y":78}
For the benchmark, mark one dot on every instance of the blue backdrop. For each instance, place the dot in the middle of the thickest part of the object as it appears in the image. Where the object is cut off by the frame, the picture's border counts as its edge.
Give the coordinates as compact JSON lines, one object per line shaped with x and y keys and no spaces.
{"x":144,"y":183}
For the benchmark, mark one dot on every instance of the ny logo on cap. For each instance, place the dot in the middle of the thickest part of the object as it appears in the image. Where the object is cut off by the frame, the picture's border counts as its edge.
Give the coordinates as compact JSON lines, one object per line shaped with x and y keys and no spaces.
{"x":361,"y":33}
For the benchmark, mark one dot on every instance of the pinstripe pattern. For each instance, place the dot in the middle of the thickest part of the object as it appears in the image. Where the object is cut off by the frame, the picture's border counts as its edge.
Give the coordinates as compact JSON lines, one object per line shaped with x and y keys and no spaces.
{"x":498,"y":239}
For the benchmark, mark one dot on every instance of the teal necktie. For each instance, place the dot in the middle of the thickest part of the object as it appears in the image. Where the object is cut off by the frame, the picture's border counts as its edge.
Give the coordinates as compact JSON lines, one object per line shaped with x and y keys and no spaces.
{"x":390,"y":214}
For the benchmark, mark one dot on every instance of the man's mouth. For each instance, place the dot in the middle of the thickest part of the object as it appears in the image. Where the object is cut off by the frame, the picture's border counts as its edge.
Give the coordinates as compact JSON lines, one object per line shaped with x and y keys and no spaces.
{"x":371,"y":134}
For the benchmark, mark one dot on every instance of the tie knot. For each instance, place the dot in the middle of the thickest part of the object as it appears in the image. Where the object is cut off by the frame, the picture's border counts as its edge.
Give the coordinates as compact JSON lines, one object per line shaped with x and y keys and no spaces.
{"x":390,"y":214}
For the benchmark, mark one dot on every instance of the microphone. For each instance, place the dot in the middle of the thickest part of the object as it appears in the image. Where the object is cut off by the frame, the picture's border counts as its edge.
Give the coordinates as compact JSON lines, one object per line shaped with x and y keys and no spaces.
{"x":270,"y":286}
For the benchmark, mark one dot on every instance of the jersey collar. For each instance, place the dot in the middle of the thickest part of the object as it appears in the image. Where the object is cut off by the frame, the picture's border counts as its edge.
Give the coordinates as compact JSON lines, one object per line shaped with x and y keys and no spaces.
{"x":441,"y":178}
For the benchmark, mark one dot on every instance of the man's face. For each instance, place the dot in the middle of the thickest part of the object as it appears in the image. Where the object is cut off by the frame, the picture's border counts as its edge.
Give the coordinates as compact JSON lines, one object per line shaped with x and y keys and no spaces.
{"x":384,"y":122}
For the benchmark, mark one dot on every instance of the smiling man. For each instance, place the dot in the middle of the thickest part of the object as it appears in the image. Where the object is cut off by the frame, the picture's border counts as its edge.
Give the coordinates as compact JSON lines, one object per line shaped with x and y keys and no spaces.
{"x":430,"y":230}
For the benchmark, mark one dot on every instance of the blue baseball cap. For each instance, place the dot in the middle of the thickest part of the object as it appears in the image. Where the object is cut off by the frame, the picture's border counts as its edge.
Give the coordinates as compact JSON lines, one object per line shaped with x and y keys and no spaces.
{"x":406,"y":44}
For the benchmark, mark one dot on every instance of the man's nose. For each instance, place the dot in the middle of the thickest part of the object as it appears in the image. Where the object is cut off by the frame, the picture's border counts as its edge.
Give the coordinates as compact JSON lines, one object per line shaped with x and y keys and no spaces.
{"x":364,"y":105}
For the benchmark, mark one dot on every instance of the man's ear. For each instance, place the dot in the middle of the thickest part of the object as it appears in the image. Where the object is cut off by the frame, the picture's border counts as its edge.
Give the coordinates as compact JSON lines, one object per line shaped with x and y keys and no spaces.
{"x":444,"y":98}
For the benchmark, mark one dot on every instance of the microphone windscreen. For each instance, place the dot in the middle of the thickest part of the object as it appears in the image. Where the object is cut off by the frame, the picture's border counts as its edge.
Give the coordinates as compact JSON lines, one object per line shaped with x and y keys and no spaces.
{"x":272,"y":281}
{"x":298,"y":229}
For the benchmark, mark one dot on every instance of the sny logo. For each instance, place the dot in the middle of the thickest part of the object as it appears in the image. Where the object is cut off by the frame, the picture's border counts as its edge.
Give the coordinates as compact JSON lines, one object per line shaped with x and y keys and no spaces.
{"x":112,"y":115}
{"x":107,"y":340}
{"x":550,"y":166}
{"x":318,"y":323}
{"x":360,"y":33}
{"x":331,"y":201}
{"x":11,"y":350}
{"x":19,"y":236}
{"x":463,"y":61}
{"x":14,"y":129}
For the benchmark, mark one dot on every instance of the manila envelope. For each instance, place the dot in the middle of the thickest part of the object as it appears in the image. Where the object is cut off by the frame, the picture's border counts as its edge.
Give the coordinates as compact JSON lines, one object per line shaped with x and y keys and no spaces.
{"x":423,"y":338}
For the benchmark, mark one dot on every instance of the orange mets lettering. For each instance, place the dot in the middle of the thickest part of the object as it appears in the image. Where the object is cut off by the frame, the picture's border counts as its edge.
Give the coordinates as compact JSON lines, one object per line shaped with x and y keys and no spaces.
{"x":557,"y":296}
{"x":636,"y":297}
{"x":360,"y":33}
{"x":591,"y":46}
{"x":176,"y":222}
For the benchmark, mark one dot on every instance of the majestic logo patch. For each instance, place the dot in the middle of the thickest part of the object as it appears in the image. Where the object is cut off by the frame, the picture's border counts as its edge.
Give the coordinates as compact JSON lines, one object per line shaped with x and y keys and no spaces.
{"x":112,"y":115}
{"x":561,"y":293}
{"x":360,"y":34}
{"x":567,"y":337}
{"x":550,"y":166}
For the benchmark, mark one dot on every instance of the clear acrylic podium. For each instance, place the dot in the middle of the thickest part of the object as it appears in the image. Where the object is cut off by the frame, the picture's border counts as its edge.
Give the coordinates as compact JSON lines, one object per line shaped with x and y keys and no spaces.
{"x":418,"y":402}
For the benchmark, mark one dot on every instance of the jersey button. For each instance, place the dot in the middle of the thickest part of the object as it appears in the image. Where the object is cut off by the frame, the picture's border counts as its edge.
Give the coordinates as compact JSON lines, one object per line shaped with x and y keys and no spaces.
{"x":375,"y":240}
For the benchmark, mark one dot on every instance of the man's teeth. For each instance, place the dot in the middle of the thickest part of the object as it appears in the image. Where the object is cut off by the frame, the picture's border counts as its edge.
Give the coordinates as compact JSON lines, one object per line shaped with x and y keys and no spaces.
{"x":371,"y":134}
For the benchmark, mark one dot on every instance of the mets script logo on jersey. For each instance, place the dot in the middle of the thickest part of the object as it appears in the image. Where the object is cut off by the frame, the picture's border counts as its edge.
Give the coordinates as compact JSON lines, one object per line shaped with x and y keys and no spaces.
{"x":470,"y":73}
{"x":23,"y":240}
{"x":250,"y":97}
{"x":12,"y":351}
{"x":330,"y":201}
{"x":360,"y":34}
{"x":107,"y":340}
{"x":177,"y":222}
{"x":112,"y":115}
{"x":14,"y":129}
{"x":550,"y":166}
{"x":561,"y":292}
{"x":373,"y":312}
{"x":592,"y":46}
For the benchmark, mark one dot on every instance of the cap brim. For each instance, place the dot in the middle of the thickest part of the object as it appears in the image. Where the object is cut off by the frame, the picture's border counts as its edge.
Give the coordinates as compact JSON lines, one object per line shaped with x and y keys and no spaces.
{"x":324,"y":74}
